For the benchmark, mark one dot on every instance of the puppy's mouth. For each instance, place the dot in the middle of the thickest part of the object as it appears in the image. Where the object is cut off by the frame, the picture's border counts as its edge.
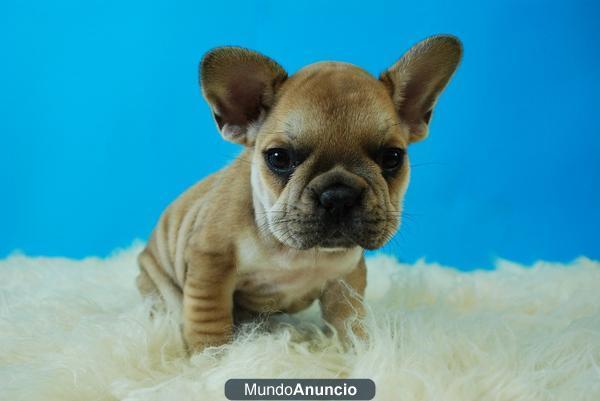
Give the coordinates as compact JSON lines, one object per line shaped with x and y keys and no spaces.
{"x":305,"y":232}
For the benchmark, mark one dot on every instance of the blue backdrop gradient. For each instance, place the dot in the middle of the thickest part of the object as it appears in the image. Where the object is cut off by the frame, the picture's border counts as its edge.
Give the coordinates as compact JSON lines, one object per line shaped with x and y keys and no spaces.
{"x":102,"y":123}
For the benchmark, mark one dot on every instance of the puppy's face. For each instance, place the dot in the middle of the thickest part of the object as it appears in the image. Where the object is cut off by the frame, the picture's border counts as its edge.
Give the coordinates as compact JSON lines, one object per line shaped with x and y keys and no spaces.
{"x":330,"y":164}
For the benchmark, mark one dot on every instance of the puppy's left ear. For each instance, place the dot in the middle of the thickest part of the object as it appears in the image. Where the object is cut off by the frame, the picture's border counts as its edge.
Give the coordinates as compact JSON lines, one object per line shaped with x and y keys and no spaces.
{"x":418,"y":78}
{"x":239,"y":85}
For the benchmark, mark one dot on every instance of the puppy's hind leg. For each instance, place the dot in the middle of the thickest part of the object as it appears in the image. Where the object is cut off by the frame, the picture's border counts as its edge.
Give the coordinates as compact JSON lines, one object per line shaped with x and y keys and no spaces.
{"x":150,"y":292}
{"x":154,"y":284}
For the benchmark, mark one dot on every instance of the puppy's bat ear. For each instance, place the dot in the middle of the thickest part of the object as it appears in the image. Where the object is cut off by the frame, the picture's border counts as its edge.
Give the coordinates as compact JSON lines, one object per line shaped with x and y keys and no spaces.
{"x":240,"y":87}
{"x":417,"y":79}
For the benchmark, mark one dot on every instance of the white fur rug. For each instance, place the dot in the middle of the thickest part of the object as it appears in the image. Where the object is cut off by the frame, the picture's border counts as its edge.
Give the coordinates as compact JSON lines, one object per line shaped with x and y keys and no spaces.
{"x":77,"y":330}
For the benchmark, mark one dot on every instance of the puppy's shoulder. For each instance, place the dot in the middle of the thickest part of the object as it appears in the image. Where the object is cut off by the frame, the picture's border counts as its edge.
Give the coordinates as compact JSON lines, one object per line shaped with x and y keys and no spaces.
{"x":224,"y":204}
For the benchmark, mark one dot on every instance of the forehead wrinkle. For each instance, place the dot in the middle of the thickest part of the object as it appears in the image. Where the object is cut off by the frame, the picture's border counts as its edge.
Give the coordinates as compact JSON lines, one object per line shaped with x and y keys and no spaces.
{"x":278,"y":127}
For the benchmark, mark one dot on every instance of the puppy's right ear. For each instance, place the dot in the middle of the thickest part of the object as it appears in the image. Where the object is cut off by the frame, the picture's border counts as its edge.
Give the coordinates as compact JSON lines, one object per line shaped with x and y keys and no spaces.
{"x":240,"y":87}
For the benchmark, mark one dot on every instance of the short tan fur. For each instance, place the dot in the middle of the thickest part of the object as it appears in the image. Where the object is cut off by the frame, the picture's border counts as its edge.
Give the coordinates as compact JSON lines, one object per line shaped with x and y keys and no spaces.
{"x":322,"y":178}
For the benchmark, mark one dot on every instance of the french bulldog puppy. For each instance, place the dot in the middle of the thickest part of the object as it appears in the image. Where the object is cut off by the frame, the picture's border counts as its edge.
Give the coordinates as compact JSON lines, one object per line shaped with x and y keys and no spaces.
{"x":321,"y":179}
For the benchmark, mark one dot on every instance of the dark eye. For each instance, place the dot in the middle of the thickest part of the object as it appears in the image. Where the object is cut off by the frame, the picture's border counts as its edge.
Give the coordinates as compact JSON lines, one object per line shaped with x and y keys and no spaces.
{"x":391,"y":159}
{"x":279,"y":160}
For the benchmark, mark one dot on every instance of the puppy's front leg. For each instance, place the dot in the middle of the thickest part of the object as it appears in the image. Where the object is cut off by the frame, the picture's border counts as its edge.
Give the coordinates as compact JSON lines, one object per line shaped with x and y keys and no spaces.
{"x":342,"y":300}
{"x":208,"y":299}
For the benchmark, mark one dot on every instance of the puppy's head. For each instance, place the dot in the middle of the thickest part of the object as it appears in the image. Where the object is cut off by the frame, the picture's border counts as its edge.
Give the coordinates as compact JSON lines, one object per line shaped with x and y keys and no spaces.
{"x":330,"y":163}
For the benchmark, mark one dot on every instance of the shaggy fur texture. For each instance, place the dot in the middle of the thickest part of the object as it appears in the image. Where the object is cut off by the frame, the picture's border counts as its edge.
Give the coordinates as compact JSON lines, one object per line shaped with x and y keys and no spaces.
{"x":78,"y":330}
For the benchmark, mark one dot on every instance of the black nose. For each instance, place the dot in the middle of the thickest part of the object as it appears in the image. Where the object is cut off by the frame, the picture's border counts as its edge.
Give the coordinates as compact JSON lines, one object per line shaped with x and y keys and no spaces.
{"x":339,"y":198}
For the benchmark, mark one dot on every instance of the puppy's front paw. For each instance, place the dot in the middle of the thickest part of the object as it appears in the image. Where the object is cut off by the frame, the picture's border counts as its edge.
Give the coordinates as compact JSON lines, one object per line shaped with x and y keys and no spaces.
{"x":358,"y":329}
{"x":207,"y":299}
{"x":349,"y":331}
{"x":196,"y":341}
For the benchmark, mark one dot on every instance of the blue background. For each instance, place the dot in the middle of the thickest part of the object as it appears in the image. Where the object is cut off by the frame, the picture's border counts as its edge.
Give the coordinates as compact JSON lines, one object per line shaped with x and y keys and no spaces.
{"x":102,"y":123}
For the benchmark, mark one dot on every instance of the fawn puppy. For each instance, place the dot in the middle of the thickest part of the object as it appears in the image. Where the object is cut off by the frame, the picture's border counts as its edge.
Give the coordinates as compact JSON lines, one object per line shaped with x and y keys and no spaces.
{"x":321,"y":179}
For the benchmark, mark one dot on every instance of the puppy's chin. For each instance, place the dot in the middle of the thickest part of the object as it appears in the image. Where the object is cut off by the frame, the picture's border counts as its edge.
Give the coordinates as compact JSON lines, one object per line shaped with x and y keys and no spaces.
{"x":336,"y":241}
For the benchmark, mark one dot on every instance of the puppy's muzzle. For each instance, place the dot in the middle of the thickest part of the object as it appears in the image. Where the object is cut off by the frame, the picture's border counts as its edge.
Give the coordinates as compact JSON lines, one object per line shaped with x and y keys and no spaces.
{"x":337,"y":207}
